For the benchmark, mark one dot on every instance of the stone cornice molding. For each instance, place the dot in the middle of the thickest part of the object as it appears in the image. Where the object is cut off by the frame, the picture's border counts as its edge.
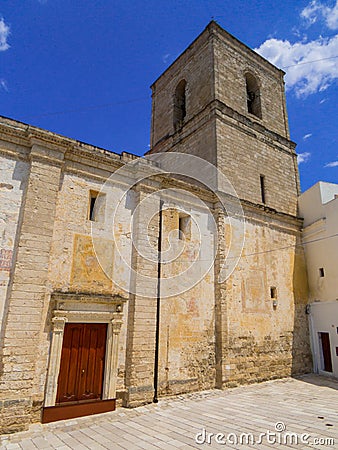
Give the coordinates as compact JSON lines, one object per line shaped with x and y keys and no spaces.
{"x":259,"y":214}
{"x":246,"y":124}
{"x":53,"y":156}
{"x":78,"y":151}
{"x":89,"y":298}
{"x":251,"y":124}
{"x":28,"y":136}
{"x":262,"y":214}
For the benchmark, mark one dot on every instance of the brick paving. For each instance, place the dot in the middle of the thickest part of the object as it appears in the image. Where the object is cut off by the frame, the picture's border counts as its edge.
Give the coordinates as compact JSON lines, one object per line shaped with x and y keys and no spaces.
{"x":307,"y":406}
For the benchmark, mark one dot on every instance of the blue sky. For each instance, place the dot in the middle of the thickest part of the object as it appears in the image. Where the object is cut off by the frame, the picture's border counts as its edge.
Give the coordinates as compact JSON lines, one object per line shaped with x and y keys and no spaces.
{"x":83,"y":68}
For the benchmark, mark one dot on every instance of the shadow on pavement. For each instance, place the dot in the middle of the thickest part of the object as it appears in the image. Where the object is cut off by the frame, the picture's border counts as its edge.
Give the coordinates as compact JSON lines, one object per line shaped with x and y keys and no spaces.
{"x":319,"y":380}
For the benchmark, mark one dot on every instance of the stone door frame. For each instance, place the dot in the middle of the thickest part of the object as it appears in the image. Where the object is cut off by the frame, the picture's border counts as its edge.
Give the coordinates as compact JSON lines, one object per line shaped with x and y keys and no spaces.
{"x":85,"y":308}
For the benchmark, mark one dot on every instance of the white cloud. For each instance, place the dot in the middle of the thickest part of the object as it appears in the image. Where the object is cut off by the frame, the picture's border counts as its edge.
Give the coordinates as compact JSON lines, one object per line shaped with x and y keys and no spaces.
{"x":308,"y":69}
{"x":165,"y":58}
{"x":311,"y":12}
{"x":303,"y":157}
{"x":3,"y":84}
{"x":4,"y":33}
{"x":296,"y":32}
{"x":332,"y":18}
{"x":307,"y":136}
{"x":311,"y":66}
{"x":316,"y":10}
{"x":332,"y":164}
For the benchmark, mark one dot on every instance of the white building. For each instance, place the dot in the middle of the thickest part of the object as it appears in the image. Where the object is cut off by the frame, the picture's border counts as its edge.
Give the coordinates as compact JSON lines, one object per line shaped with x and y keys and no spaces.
{"x":319,"y":207}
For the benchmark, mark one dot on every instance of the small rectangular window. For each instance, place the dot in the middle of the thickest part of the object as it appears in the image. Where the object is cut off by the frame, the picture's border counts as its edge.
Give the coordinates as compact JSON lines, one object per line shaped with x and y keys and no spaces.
{"x":273,"y":292}
{"x":92,"y":205}
{"x":336,"y":351}
{"x":321,"y":272}
{"x":97,"y":202}
{"x":262,"y":183}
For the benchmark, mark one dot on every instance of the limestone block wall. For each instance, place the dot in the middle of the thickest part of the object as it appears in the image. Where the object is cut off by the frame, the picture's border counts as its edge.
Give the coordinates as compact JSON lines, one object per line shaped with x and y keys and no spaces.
{"x":77,"y":265}
{"x":13,"y":180}
{"x":301,"y":351}
{"x":187,"y":321}
{"x":21,"y":388}
{"x":198,"y":137}
{"x":266,"y":335}
{"x":142,"y":301}
{"x":243,"y":155}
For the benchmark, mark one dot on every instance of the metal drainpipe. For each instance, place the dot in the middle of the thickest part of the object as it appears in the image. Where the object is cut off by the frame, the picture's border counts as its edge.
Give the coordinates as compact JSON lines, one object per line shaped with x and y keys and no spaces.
{"x":158,"y":304}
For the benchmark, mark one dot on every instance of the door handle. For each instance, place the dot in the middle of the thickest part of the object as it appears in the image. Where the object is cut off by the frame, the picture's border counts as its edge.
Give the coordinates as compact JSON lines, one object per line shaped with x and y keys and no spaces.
{"x":82,"y":371}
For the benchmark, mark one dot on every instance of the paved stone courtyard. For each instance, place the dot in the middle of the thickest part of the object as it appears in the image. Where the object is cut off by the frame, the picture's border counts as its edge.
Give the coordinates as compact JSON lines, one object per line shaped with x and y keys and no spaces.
{"x":256,"y":416}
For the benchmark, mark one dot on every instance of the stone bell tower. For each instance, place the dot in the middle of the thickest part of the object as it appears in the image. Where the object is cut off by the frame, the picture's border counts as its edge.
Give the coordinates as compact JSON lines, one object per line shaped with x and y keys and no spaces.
{"x":223,"y":102}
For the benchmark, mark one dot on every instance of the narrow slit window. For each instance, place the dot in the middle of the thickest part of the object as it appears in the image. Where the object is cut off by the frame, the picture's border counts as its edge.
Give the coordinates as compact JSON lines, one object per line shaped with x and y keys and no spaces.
{"x":92,"y":198}
{"x":325,"y":351}
{"x":180,"y":104}
{"x":96,"y":206}
{"x":262,"y":184}
{"x":321,"y":272}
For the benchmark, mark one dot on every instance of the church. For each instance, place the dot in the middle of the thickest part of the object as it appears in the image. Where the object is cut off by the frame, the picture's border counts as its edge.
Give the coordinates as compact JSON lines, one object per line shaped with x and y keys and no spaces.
{"x":124,"y":279}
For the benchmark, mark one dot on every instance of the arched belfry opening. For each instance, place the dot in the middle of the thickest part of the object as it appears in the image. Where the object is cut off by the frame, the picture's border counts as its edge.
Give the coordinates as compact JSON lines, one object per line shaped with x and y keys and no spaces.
{"x":253,"y":95}
{"x":180,"y":104}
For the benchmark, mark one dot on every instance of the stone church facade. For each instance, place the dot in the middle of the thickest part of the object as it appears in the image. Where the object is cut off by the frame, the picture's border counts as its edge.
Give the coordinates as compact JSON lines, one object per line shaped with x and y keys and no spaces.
{"x":85,"y":321}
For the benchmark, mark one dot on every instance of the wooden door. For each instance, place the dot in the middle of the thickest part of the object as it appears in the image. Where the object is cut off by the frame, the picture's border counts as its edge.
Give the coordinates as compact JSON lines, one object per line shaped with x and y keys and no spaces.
{"x":82,"y":362}
{"x":326,"y":351}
